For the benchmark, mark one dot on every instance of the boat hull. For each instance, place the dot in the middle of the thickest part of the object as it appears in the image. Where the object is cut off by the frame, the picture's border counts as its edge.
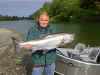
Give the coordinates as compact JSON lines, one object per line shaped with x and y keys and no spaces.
{"x":68,"y":66}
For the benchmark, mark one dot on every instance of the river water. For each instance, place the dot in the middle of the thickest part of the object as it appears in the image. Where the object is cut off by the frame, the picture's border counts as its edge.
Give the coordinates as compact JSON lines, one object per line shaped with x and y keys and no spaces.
{"x":88,"y":34}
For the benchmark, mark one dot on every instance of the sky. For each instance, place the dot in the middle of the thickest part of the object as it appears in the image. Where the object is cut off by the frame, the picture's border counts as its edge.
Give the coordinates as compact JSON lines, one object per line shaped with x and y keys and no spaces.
{"x":20,"y":7}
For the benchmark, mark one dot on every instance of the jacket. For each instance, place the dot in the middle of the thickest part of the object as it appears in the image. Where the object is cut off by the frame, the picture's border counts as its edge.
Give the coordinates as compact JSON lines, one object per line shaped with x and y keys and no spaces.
{"x":40,"y":57}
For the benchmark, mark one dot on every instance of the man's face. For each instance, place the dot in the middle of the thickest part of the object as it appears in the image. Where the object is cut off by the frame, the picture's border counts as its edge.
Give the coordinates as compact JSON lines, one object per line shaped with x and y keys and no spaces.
{"x":43,"y":20}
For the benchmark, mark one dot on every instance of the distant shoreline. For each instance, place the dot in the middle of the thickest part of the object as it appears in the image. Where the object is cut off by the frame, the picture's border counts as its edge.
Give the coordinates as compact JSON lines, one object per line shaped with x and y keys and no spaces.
{"x":14,"y":18}
{"x":18,"y":20}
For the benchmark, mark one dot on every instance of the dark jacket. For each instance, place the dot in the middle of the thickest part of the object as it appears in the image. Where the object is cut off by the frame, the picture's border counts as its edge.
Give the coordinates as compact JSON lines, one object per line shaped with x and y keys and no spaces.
{"x":40,"y":57}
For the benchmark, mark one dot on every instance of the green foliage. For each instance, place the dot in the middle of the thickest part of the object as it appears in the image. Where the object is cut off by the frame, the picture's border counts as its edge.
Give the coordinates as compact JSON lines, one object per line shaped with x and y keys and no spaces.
{"x":66,"y":10}
{"x":45,"y":8}
{"x":88,"y":4}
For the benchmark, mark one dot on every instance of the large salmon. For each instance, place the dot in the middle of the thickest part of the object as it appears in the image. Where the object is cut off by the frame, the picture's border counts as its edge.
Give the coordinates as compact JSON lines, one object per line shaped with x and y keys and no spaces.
{"x":49,"y":42}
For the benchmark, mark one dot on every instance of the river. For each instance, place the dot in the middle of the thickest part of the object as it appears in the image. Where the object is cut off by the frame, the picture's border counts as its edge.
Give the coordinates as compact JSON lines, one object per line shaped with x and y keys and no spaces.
{"x":88,"y":33}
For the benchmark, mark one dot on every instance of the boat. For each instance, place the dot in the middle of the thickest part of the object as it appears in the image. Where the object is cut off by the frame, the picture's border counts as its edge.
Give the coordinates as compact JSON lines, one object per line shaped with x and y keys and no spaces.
{"x":80,"y":60}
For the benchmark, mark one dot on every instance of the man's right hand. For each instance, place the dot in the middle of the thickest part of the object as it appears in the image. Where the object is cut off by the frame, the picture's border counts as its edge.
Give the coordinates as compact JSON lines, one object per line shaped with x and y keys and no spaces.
{"x":28,"y":47}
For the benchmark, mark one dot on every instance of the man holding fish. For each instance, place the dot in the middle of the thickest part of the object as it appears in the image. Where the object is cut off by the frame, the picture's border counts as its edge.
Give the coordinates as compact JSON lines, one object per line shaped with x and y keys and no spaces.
{"x":42,"y":59}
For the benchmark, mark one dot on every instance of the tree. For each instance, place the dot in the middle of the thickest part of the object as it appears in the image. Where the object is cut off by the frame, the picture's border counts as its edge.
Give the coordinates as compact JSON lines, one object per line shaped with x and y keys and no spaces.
{"x":87,"y":4}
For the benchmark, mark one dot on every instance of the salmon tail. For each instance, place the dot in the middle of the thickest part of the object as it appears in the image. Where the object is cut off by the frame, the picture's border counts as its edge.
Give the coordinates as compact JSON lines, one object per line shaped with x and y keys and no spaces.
{"x":16,"y":45}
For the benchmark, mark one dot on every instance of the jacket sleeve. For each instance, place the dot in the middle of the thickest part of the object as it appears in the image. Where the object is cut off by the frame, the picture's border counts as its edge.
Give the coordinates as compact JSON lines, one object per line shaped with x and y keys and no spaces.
{"x":30,"y":35}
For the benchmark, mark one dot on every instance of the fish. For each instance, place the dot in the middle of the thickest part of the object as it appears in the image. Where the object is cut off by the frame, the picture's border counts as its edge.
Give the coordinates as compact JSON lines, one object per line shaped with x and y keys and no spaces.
{"x":46,"y":43}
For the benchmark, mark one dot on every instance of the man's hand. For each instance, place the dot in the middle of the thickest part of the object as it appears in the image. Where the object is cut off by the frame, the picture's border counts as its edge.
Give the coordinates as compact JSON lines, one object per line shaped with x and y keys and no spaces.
{"x":62,"y":44}
{"x":28,"y":47}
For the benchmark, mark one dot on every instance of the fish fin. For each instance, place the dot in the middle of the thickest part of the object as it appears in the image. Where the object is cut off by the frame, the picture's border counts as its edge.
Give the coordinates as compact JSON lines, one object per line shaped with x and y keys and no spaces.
{"x":16,"y":45}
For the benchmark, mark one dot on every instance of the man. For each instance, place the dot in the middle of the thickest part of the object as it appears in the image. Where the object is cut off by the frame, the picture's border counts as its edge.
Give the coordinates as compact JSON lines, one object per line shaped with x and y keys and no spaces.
{"x":42,"y":60}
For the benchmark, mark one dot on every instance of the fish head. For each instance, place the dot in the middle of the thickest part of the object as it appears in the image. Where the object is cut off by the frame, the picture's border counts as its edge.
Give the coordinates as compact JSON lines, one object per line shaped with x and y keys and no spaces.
{"x":67,"y":38}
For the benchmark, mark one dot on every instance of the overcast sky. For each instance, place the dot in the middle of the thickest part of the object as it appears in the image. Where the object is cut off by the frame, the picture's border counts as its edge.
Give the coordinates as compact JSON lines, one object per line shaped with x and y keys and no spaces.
{"x":20,"y":7}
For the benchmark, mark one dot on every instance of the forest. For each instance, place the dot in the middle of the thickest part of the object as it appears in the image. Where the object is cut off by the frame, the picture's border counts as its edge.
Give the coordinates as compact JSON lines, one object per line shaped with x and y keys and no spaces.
{"x":70,"y":10}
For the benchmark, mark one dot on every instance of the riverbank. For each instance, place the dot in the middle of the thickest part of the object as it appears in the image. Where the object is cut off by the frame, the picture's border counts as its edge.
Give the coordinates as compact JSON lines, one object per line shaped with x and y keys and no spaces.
{"x":10,"y":64}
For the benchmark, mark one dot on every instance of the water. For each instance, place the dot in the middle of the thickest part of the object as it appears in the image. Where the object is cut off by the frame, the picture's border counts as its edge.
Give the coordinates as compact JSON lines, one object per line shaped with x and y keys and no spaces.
{"x":88,"y":34}
{"x":18,"y":26}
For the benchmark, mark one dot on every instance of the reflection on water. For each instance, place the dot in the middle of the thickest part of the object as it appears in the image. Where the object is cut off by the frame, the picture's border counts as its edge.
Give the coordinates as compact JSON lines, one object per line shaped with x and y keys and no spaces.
{"x":88,"y":33}
{"x":84,"y":33}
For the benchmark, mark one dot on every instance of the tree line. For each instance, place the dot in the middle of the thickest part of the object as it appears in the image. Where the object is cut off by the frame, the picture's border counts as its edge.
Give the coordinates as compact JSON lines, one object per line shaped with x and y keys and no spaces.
{"x":12,"y":18}
{"x":70,"y":10}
